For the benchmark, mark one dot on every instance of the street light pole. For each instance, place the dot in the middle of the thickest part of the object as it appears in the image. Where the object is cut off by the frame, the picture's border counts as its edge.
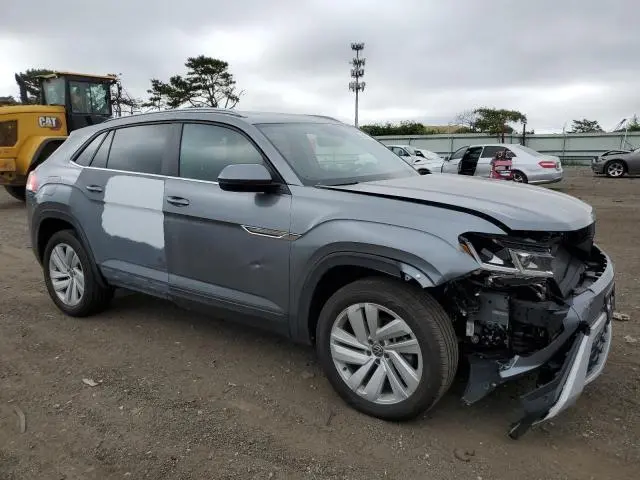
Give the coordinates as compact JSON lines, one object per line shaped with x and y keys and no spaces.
{"x":357,"y":72}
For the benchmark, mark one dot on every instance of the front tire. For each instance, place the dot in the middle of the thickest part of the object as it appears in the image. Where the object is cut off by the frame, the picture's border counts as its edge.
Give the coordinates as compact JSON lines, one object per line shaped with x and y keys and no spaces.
{"x":388,"y":349}
{"x":17,"y":192}
{"x":615,"y":169}
{"x":70,"y":277}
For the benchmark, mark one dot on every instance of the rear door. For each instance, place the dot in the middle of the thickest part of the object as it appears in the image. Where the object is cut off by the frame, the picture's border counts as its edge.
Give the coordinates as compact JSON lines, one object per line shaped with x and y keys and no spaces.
{"x":119,"y":204}
{"x":228,"y":250}
{"x":484,"y":163}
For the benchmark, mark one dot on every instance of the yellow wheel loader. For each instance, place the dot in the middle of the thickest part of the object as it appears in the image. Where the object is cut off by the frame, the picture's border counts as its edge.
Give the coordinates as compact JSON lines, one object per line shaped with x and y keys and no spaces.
{"x":30,"y":133}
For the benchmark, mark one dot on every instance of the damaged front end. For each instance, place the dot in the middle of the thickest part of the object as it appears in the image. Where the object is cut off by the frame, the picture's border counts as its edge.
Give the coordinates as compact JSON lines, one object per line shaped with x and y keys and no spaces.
{"x":539,"y":303}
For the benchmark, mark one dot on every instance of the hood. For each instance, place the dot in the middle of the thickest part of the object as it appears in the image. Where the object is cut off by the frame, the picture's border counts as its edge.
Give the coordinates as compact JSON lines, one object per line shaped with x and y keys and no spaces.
{"x":514,"y":206}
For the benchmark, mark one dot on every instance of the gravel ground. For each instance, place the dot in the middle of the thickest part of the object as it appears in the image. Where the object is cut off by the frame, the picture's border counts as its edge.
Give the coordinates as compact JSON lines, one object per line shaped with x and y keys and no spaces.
{"x":180,"y":396}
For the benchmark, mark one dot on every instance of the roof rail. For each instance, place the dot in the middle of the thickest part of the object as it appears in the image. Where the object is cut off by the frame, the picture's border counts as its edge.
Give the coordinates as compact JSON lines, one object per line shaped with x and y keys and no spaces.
{"x":161,"y":112}
{"x":327,"y":117}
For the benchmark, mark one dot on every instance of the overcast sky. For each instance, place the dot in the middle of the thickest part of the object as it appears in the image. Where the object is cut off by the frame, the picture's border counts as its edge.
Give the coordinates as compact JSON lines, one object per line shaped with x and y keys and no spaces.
{"x":426,"y":59}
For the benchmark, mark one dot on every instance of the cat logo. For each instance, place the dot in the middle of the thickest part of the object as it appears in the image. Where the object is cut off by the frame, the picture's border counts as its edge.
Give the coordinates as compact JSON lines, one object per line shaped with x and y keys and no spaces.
{"x":49,"y":122}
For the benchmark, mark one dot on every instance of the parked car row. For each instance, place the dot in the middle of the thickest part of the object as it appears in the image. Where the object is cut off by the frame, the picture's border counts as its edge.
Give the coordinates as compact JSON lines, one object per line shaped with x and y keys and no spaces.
{"x":529,"y":166}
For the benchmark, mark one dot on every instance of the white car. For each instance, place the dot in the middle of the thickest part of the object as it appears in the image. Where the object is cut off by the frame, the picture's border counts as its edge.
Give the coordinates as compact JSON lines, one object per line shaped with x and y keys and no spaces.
{"x":424,"y":161}
{"x":528,"y":165}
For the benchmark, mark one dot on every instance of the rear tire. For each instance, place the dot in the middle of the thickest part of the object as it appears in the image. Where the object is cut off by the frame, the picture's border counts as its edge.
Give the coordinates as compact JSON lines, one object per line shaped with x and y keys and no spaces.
{"x":418,"y":323}
{"x":75,"y":268}
{"x":519,"y":177}
{"x":16,"y":191}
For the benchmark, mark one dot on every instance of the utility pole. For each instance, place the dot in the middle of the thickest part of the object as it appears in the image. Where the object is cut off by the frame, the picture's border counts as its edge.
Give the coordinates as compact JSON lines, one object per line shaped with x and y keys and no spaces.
{"x":357,"y":72}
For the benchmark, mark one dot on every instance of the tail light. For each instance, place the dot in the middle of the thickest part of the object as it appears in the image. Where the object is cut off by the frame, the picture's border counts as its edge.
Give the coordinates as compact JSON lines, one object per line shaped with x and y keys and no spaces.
{"x":547,"y":164}
{"x":32,"y":182}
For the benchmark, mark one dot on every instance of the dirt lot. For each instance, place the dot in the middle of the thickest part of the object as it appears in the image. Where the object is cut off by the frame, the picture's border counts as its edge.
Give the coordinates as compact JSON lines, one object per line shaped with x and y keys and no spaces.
{"x":187,"y":397}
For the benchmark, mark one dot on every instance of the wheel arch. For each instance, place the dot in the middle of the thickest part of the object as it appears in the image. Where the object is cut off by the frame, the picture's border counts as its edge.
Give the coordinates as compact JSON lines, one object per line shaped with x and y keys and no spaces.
{"x":49,"y":221}
{"x":618,"y":159}
{"x":336,"y":270}
{"x":31,"y":153}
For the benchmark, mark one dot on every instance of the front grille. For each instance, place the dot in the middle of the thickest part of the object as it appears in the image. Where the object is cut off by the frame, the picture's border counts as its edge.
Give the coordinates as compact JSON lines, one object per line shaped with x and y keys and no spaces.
{"x":597,"y":349}
{"x":8,"y":133}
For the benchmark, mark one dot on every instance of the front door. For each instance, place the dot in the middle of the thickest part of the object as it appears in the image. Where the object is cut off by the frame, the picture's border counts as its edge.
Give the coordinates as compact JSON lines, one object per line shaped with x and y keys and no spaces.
{"x":451,"y":164}
{"x":469,"y":161}
{"x":228,"y":250}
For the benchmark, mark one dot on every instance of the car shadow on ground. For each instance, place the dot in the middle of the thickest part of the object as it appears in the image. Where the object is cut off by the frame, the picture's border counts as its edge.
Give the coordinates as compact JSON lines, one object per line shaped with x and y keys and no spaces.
{"x":496,"y":411}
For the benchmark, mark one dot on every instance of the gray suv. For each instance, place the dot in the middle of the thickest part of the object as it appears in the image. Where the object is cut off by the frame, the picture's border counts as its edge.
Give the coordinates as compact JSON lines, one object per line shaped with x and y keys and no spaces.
{"x":310,"y":228}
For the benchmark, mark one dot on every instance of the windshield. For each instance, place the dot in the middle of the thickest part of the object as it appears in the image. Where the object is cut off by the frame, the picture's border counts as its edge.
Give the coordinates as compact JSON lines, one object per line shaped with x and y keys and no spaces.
{"x":334,"y":154}
{"x":530,"y":151}
{"x":430,"y":155}
{"x":53,"y":90}
{"x":91,"y":98}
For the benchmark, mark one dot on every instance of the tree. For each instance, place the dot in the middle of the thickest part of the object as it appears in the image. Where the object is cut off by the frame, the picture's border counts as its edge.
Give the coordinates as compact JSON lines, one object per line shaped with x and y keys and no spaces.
{"x":406,"y":127}
{"x":207,"y":82}
{"x":585,"y":126}
{"x":120,"y":98}
{"x":29,"y":84}
{"x":633,"y":125}
{"x":467,"y":120}
{"x":496,"y":121}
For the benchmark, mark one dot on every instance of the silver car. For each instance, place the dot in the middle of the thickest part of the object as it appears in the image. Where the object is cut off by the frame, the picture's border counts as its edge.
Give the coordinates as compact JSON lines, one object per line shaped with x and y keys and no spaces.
{"x":423,"y":161}
{"x":616,"y":163}
{"x":529,"y":166}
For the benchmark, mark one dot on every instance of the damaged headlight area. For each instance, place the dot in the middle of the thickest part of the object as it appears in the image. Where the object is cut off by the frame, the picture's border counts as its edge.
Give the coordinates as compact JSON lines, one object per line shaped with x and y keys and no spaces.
{"x":504,"y":255}
{"x":517,"y":313}
{"x":515,"y":302}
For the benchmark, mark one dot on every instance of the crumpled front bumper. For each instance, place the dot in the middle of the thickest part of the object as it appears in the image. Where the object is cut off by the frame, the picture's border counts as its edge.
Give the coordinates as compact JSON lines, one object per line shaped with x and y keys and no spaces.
{"x":586,"y":339}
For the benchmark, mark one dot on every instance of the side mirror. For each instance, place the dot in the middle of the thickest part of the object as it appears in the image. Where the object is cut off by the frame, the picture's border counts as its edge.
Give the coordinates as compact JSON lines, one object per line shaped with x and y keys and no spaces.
{"x":248,"y":177}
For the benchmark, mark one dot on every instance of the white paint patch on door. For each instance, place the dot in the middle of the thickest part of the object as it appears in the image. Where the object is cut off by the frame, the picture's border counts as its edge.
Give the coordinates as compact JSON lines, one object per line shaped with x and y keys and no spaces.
{"x":133,"y":209}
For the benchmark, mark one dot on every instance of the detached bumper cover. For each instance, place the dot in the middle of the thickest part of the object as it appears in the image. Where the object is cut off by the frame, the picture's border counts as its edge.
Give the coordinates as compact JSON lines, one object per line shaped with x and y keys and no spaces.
{"x":586,"y":339}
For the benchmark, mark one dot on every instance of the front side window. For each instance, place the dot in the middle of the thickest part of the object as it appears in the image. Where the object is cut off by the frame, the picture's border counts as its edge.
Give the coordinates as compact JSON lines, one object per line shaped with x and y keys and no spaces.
{"x":334,"y":154}
{"x":206,"y":149}
{"x":89,"y":98}
{"x":139,"y":149}
{"x":53,"y":90}
{"x":459,"y":153}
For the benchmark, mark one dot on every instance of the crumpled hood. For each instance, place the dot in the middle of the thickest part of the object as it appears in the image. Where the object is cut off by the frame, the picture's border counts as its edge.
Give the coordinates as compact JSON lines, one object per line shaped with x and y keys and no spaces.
{"x":516,"y":206}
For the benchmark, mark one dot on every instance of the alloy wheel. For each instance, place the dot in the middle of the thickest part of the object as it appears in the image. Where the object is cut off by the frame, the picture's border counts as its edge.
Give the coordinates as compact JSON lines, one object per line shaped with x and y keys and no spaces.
{"x":615,"y":169}
{"x":66,"y":274}
{"x":518,"y":177}
{"x":376,"y":353}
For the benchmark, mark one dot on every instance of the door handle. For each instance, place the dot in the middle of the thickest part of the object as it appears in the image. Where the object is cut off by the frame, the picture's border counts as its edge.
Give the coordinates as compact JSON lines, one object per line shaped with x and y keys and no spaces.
{"x":94,"y":188}
{"x":178,"y":201}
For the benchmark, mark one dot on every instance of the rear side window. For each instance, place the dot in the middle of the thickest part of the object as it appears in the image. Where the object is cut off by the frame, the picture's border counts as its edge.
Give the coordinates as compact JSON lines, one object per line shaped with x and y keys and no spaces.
{"x":89,"y":151}
{"x":139,"y":149}
{"x":100,"y":158}
{"x":206,"y":149}
{"x":490,"y":152}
